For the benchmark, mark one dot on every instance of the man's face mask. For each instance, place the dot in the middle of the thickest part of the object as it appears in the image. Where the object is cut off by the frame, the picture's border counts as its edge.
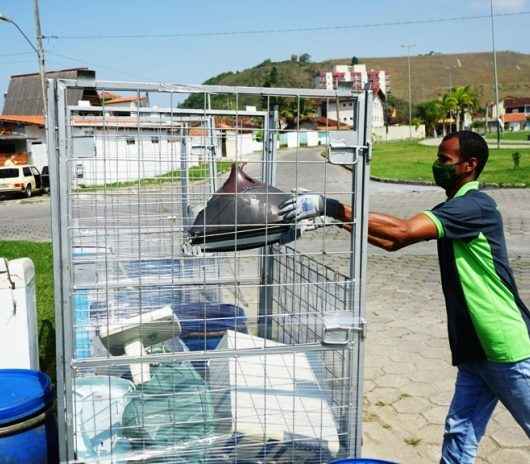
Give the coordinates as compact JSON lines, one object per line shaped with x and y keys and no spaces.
{"x":445,"y":175}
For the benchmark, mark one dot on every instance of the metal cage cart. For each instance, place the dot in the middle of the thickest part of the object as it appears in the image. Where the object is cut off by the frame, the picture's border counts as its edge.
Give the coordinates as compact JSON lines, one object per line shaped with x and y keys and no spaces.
{"x":195,"y":324}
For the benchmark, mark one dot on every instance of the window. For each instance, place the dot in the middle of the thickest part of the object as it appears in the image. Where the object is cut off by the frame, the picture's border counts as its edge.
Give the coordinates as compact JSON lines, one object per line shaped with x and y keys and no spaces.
{"x":155,"y":139}
{"x":130,"y":141}
{"x":27,"y":172}
{"x":8,"y":173}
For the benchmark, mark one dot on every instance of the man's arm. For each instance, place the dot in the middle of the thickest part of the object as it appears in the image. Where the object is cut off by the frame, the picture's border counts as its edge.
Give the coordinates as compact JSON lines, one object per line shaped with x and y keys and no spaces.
{"x":384,"y":231}
{"x":392,"y":233}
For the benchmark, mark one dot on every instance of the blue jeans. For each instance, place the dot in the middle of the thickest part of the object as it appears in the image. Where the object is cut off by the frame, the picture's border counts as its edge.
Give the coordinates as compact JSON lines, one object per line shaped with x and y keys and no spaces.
{"x":479,"y":385}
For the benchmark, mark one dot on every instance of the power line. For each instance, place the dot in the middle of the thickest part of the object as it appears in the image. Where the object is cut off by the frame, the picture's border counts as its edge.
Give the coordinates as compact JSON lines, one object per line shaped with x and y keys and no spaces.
{"x":287,"y":30}
{"x":16,"y":53}
{"x":92,"y":65}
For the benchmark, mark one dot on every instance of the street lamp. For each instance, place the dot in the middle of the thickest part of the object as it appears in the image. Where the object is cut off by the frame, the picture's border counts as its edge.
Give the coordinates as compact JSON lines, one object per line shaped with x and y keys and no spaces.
{"x":40,"y":56}
{"x":408,"y":47}
{"x":496,"y":77}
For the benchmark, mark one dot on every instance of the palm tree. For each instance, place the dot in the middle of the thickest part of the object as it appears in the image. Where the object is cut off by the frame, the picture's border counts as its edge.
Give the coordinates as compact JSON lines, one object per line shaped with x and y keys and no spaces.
{"x":449,"y":106}
{"x":466,"y":100}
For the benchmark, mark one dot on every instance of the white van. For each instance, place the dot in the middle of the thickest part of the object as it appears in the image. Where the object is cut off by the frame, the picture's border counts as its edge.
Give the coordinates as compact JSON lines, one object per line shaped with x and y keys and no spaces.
{"x":23,"y":179}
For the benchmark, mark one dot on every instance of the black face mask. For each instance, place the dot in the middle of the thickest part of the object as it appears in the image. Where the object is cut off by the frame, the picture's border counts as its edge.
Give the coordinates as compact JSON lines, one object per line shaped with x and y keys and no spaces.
{"x":445,"y":175}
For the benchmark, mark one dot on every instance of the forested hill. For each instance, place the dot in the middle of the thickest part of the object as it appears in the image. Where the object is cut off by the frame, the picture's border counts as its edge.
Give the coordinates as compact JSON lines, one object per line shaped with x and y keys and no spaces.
{"x":431,"y":74}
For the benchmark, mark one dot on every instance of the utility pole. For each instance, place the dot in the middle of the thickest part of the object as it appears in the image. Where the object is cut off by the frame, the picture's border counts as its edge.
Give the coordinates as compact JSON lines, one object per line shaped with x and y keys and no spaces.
{"x":408,"y":47}
{"x":42,"y":62}
{"x":496,"y":77}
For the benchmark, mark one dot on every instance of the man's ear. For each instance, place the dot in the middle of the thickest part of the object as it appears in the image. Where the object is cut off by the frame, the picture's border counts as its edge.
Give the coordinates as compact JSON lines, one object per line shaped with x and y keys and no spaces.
{"x":472,"y":164}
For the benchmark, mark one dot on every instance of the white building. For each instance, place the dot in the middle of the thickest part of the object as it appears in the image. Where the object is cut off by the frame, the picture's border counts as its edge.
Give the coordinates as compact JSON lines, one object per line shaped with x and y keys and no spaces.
{"x":355,"y":77}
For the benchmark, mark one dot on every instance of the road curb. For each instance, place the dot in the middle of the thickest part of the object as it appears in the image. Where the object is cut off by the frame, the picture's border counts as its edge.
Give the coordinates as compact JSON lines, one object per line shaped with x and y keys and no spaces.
{"x":487,"y":185}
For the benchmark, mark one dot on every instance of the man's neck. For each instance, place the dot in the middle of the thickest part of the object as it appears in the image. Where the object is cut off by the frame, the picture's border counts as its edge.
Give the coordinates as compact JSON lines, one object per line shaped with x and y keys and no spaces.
{"x":453,"y":191}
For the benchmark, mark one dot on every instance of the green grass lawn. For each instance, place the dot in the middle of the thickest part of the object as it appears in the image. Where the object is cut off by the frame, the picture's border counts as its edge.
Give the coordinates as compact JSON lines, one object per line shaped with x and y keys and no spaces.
{"x":412,"y":162}
{"x":195,"y":173}
{"x":509,"y":136}
{"x":41,"y":255}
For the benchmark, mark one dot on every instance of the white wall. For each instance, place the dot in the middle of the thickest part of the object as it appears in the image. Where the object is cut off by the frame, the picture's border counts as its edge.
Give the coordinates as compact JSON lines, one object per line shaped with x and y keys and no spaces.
{"x":398,"y":133}
{"x":238,"y":145}
{"x":38,"y":155}
{"x":304,"y":138}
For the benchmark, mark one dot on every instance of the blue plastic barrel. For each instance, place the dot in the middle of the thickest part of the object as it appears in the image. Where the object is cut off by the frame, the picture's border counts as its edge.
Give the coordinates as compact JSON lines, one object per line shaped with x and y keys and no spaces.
{"x":28,"y":428}
{"x":361,"y":461}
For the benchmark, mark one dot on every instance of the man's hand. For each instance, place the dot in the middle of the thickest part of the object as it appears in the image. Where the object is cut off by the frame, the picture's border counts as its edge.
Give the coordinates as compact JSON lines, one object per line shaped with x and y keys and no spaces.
{"x":304,"y":206}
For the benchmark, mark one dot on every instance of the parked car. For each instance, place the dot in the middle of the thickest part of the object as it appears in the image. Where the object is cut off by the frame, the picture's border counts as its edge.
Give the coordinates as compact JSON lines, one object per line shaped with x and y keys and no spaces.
{"x":23,"y":179}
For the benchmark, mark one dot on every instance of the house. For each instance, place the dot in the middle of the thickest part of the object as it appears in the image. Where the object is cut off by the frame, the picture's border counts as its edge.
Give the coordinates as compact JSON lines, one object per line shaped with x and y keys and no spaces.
{"x":22,"y":131}
{"x":356,"y":78}
{"x":515,"y":121}
{"x":519,"y":106}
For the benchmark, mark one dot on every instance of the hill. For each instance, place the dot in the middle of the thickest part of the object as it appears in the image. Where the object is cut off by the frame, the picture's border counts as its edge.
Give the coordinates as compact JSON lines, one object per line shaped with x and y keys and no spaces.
{"x":430,"y":74}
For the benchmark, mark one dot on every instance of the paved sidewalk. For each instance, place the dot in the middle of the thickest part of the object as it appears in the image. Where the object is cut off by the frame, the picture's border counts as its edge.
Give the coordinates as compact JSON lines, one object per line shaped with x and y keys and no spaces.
{"x":409,"y":379}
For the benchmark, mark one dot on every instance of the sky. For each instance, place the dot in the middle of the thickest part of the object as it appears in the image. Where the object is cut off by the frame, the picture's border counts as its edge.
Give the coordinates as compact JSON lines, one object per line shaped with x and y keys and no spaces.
{"x":189,"y":59}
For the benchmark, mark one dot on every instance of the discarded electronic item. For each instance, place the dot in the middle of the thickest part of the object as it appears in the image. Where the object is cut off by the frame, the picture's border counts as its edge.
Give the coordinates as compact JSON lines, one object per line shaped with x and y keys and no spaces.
{"x":242,"y":214}
{"x":133,"y":335}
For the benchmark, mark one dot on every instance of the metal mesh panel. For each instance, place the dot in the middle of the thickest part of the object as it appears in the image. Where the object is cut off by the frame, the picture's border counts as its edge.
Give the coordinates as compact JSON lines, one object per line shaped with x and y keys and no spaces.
{"x":172,"y":347}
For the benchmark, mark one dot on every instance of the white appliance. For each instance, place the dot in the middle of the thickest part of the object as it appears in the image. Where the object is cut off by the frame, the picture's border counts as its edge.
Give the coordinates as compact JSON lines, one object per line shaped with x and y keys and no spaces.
{"x":275,"y":398}
{"x":19,"y":344}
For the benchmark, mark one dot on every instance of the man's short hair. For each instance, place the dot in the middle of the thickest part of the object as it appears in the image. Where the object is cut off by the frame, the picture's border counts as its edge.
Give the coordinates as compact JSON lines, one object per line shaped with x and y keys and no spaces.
{"x":472,"y":145}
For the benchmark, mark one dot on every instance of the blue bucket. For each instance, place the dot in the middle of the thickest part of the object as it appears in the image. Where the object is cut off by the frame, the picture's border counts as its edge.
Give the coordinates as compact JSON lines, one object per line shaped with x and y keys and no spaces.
{"x":361,"y":461}
{"x":28,"y":428}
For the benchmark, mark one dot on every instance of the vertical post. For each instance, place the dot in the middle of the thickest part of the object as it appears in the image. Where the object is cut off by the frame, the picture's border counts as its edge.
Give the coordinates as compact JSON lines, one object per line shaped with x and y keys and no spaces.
{"x":212,"y":162}
{"x":184,"y":147}
{"x":408,"y":47}
{"x":360,"y":173}
{"x":496,"y":76}
{"x":40,"y":54}
{"x":54,"y":162}
{"x":266,"y":272}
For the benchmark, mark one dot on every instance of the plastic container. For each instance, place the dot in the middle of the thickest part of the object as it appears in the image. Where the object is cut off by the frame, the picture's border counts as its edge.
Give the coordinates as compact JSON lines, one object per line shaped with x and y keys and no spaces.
{"x":28,"y":427}
{"x":18,"y":315}
{"x":361,"y":461}
{"x":100,"y":401}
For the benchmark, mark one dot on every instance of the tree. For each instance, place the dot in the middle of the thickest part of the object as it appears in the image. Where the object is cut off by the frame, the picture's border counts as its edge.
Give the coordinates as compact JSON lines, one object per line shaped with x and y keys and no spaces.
{"x":272,"y":78}
{"x":466,"y":100}
{"x":305,"y":58}
{"x":354,"y":60}
{"x":294,"y":57}
{"x":430,"y":113}
{"x":449,"y":107}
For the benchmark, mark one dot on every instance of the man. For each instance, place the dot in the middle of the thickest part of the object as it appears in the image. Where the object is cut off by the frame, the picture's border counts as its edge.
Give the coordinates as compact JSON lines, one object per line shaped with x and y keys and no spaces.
{"x":488,"y":323}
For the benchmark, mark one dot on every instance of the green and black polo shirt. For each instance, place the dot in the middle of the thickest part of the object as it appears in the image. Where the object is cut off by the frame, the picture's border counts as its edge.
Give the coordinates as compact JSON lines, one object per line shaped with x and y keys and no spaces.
{"x":486,"y":317}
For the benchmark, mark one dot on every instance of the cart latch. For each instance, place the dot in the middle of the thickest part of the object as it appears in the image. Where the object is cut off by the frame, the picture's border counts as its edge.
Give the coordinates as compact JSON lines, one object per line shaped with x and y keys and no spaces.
{"x":339,"y":327}
{"x":341,"y":153}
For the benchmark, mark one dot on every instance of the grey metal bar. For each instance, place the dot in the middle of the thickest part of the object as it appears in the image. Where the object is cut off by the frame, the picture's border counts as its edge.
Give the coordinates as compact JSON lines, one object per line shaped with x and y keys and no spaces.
{"x":55,"y":194}
{"x":184,"y":179}
{"x":213,"y":89}
{"x":168,"y":111}
{"x":206,"y":355}
{"x":66,"y":249}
